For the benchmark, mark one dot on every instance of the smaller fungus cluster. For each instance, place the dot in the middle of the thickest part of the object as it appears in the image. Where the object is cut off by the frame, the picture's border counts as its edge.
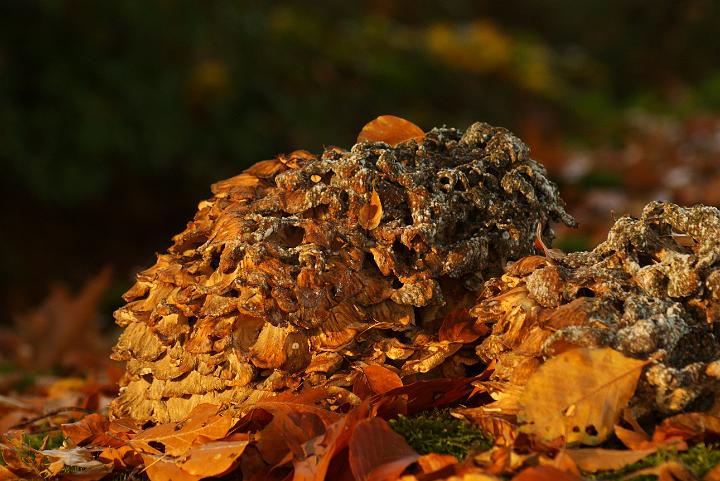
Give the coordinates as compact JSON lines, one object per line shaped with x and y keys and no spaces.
{"x":650,"y":291}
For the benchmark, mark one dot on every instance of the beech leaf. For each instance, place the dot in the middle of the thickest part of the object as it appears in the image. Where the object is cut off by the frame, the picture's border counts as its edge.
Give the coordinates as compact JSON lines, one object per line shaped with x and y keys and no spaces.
{"x":390,"y":129}
{"x":202,"y":423}
{"x":545,"y":473}
{"x":371,"y":213}
{"x":597,"y":459}
{"x":378,"y":453}
{"x":381,"y":379}
{"x":579,"y":395}
{"x":206,"y":460}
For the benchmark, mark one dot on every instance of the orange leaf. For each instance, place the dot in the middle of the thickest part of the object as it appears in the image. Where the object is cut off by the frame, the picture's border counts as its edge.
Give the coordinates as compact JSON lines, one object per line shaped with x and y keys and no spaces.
{"x":121,"y":457}
{"x":596,"y":459}
{"x":579,"y":394}
{"x":323,"y":448}
{"x":7,"y":475}
{"x":669,"y":471}
{"x":371,"y":213}
{"x":688,"y":427}
{"x":206,"y":460}
{"x":545,"y":473}
{"x":459,"y":326}
{"x":381,"y":379}
{"x":378,"y":453}
{"x":89,"y":429}
{"x":390,"y":129}
{"x":203,"y":423}
{"x":434,"y":461}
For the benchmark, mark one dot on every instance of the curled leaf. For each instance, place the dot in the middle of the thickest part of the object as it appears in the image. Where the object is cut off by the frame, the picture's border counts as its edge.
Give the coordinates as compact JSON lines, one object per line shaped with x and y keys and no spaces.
{"x":371,"y":213}
{"x":390,"y":129}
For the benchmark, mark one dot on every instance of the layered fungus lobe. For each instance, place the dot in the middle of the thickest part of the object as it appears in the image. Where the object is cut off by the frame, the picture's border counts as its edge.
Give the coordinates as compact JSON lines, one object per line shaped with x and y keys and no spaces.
{"x":304,"y":268}
{"x":650,"y":291}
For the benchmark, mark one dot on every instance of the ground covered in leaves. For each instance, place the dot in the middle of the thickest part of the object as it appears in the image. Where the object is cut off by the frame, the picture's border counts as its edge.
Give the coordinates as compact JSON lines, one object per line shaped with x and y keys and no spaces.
{"x":596,"y":365}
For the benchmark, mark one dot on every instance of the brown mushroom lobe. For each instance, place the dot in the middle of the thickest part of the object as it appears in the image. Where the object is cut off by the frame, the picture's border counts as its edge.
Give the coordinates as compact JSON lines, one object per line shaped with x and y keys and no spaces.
{"x":303,"y":267}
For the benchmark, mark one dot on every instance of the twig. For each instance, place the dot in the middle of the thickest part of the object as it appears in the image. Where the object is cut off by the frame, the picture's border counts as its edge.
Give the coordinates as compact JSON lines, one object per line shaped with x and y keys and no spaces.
{"x":48,"y":414}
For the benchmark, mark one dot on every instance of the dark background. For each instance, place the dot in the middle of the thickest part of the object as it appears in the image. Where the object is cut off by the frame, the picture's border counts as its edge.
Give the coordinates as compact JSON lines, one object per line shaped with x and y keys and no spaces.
{"x":116,"y":116}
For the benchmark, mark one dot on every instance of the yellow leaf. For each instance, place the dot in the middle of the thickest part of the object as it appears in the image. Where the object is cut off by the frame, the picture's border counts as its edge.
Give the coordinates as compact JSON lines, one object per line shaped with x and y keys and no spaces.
{"x":371,"y":213}
{"x":391,"y":130}
{"x":579,"y":395}
{"x":597,"y":459}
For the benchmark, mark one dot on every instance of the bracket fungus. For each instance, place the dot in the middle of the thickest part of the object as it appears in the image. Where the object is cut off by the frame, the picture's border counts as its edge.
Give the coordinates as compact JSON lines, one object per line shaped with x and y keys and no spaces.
{"x":303,"y":269}
{"x":650,"y":291}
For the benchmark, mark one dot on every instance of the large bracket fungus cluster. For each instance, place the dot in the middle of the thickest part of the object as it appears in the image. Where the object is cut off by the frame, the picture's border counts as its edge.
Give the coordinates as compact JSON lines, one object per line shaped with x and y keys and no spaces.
{"x":650,"y":291}
{"x":417,"y":252}
{"x":304,"y":268}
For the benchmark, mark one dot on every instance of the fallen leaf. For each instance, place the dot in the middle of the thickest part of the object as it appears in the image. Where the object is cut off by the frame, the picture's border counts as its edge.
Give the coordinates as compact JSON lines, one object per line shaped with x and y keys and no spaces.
{"x":88,"y":430}
{"x":579,"y":395}
{"x":7,"y":475}
{"x":688,"y":427}
{"x":669,"y":471}
{"x":631,"y":438}
{"x":563,"y":462}
{"x":390,"y":129}
{"x":459,"y":326}
{"x":545,"y":473}
{"x":501,"y":429}
{"x":712,"y":475}
{"x":377,"y":453}
{"x":434,"y":461}
{"x":381,"y":379}
{"x":121,"y":457}
{"x":203,"y":423}
{"x":210,"y":459}
{"x":64,"y":325}
{"x":76,"y":457}
{"x":371,"y":213}
{"x":321,"y":449}
{"x":597,"y":459}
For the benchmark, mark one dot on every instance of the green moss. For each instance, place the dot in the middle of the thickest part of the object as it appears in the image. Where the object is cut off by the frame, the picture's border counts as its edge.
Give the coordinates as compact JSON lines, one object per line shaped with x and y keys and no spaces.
{"x":35,"y":440}
{"x":699,"y":459}
{"x":438,"y":432}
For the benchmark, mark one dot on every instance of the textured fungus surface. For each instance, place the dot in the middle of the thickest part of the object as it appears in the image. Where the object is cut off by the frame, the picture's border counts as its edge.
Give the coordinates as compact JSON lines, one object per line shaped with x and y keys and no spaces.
{"x":302,"y":269}
{"x":650,"y":291}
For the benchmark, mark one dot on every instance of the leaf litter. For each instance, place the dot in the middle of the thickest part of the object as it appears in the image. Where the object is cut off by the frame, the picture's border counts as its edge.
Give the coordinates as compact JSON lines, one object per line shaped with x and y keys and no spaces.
{"x":563,"y":350}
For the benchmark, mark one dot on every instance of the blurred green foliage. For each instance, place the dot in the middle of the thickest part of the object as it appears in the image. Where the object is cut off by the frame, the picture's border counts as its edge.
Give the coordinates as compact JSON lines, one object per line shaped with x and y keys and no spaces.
{"x":96,"y":94}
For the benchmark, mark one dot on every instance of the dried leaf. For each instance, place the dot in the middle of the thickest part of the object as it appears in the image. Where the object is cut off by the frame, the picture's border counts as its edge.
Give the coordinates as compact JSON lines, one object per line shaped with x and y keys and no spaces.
{"x":381,"y":379}
{"x":688,"y":427}
{"x":712,"y":475}
{"x":371,"y":213}
{"x":597,"y":459}
{"x":203,"y":423}
{"x":434,"y":462}
{"x":210,"y":459}
{"x":7,"y":475}
{"x":89,"y":430}
{"x":121,"y":457}
{"x":579,"y":395}
{"x":80,"y":458}
{"x":632,"y":439}
{"x":377,"y":453}
{"x":669,"y":471}
{"x":390,"y":129}
{"x":545,"y":473}
{"x":322,"y":449}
